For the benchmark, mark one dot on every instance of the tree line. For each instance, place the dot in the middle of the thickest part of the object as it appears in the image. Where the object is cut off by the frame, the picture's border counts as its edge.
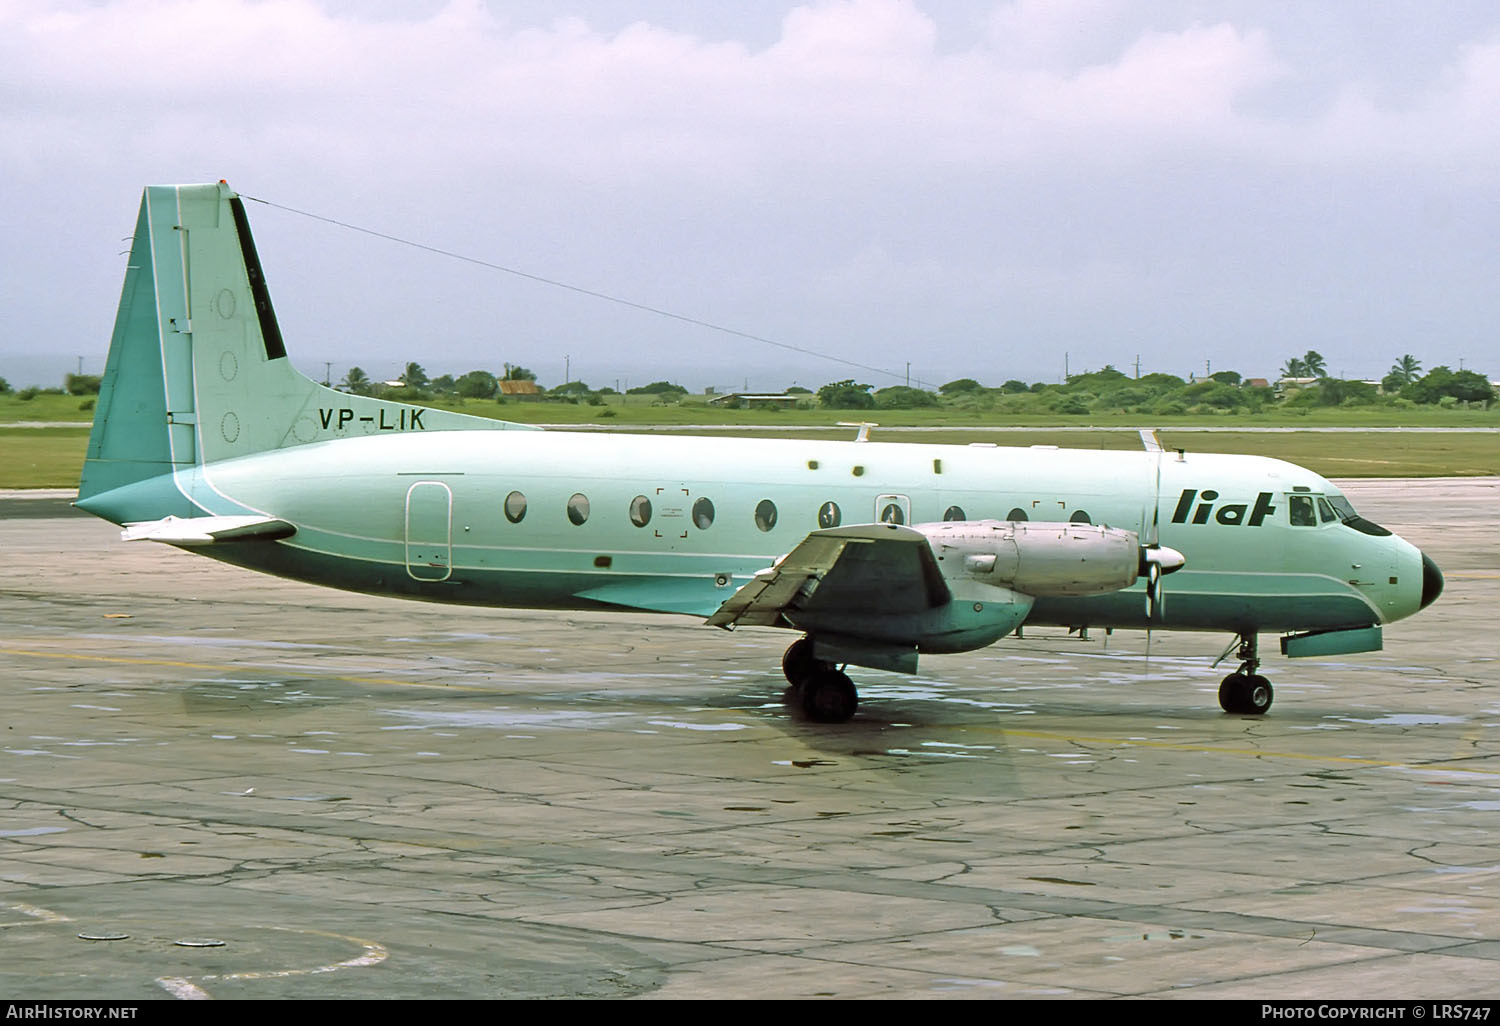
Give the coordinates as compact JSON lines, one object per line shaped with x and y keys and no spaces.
{"x":1304,"y":383}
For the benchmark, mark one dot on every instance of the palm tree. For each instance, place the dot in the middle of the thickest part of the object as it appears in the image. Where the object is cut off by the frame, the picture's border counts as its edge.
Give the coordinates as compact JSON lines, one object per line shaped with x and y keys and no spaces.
{"x":415,"y":376}
{"x":1313,"y":361}
{"x":1296,"y":367}
{"x":356,"y":381}
{"x":1408,"y":368}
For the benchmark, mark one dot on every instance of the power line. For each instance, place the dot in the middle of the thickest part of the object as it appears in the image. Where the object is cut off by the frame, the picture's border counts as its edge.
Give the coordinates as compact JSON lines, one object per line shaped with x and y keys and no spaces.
{"x":575,"y":288}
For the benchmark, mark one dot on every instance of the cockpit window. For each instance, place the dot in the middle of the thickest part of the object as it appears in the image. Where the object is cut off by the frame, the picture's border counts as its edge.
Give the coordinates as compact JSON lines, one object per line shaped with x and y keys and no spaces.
{"x":1325,"y":511}
{"x":1300,"y":509}
{"x":1352,"y":519}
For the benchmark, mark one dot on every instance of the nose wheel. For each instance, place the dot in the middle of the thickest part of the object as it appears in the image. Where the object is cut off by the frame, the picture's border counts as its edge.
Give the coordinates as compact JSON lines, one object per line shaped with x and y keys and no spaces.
{"x":1245,"y":691}
{"x":823,"y":691}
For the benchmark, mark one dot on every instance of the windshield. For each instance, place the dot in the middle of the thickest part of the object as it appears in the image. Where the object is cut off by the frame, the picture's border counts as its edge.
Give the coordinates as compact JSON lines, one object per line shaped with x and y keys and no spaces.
{"x":1346,"y":514}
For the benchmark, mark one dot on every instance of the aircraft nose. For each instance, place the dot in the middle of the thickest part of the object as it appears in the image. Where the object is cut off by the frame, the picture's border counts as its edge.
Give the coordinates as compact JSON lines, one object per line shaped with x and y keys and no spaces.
{"x":1432,"y":581}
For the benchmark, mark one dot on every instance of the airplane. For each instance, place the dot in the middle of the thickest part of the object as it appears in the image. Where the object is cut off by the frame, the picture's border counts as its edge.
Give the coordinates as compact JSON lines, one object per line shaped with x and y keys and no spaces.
{"x":206,"y":438}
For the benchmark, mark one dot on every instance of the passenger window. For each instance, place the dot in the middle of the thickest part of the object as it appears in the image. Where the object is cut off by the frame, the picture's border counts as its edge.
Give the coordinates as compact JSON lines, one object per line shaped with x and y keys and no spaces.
{"x":640,"y":511}
{"x":829,"y":515}
{"x":1325,"y":511}
{"x":892,"y":514}
{"x":515,"y":507}
{"x":703,"y":514}
{"x":578,"y":508}
{"x":1018,"y":515}
{"x":1079,"y":517}
{"x":954,"y":513}
{"x":1300,"y":508}
{"x":765,"y":515}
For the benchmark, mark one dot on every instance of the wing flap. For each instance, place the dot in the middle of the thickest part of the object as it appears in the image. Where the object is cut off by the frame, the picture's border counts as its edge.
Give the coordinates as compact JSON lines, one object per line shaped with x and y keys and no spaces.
{"x":173,"y":530}
{"x":875,"y":569}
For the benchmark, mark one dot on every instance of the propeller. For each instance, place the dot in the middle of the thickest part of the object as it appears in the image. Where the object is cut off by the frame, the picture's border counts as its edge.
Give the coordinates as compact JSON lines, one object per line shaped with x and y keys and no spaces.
{"x":1156,"y":558}
{"x":1156,"y":561}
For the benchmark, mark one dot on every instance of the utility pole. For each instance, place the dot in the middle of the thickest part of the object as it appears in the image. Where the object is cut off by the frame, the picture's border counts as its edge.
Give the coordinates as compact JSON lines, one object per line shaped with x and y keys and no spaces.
{"x":567,"y":368}
{"x":1137,"y":366}
{"x":1065,"y":367}
{"x":327,"y":372}
{"x":908,"y":373}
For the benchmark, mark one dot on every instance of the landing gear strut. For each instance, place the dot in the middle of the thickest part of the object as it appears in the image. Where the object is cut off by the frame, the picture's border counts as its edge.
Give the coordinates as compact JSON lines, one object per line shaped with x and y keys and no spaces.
{"x":1246,"y":691}
{"x":825,"y":693}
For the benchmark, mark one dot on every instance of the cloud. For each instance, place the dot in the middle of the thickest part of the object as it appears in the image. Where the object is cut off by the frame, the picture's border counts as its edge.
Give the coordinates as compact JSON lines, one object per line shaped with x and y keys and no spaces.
{"x":846,"y":83}
{"x":1061,"y":157}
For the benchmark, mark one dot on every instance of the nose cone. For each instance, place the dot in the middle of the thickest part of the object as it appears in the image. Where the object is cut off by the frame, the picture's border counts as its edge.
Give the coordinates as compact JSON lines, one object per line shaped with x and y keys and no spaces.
{"x":1432,"y":581}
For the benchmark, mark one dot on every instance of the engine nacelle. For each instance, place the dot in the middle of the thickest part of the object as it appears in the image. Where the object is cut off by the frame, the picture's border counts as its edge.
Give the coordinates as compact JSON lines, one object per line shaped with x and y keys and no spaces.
{"x":1037,"y":558}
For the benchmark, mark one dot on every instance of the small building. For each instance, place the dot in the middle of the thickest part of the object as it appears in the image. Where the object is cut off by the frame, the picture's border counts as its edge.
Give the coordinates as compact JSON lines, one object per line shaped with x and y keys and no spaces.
{"x":749,"y":401}
{"x":1285,"y":385}
{"x":520,"y":389}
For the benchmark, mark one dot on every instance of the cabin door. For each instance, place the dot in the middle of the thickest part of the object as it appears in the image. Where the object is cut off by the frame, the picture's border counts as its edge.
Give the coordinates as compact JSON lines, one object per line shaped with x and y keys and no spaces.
{"x":429,"y":531}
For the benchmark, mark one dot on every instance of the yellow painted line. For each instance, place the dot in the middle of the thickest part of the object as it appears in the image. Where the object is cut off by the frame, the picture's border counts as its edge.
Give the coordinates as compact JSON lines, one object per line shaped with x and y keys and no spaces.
{"x":270,"y":668}
{"x":1167,"y":746}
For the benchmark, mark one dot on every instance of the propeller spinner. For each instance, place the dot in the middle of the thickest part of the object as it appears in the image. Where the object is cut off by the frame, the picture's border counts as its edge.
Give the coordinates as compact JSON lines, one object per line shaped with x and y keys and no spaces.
{"x":1157,"y":560}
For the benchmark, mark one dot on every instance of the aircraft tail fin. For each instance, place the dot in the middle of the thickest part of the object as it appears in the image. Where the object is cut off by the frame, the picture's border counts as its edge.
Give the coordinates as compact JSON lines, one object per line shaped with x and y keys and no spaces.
{"x":198,"y":370}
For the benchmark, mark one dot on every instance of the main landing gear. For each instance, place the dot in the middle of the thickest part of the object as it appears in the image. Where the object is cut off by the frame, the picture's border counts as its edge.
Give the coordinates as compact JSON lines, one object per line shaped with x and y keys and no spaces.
{"x":824,"y":692}
{"x":1246,"y":691}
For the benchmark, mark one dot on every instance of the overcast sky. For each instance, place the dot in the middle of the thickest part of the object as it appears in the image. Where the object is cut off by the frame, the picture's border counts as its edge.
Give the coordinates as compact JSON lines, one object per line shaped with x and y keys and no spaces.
{"x":977,"y":188}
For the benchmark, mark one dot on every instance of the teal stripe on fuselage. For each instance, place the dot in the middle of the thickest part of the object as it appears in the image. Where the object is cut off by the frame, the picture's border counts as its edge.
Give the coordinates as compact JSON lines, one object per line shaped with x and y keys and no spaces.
{"x":347,"y":499}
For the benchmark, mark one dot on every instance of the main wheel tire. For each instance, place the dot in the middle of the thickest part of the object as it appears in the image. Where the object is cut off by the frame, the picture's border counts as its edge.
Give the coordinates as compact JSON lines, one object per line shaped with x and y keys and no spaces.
{"x":799,"y":665}
{"x":829,"y":697}
{"x":1246,"y":694}
{"x":1258,"y":695}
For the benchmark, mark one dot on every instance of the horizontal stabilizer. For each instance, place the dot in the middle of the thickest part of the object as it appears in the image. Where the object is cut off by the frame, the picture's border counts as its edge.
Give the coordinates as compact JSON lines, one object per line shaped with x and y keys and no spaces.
{"x":208,"y":530}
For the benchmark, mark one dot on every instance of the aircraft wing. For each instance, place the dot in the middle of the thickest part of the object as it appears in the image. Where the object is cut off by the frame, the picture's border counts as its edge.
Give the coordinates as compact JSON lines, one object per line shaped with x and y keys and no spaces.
{"x":208,"y":530}
{"x":874,"y":569}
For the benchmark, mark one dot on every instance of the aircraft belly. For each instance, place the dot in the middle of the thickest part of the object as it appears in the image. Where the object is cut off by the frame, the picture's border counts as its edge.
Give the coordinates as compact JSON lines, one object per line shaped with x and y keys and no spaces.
{"x":1207,"y":611}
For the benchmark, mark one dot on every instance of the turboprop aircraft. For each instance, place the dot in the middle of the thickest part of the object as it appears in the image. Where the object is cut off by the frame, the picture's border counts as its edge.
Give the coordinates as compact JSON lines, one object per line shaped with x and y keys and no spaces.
{"x":205,"y":437}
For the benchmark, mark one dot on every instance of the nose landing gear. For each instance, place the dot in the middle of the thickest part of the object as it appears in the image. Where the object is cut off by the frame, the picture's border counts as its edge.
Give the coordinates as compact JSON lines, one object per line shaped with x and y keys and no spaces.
{"x":1246,"y":691}
{"x":824,"y":692}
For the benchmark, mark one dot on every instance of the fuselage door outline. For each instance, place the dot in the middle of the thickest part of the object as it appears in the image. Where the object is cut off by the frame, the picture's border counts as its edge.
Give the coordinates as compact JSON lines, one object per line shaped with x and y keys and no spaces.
{"x":429,"y":531}
{"x":892,"y":509}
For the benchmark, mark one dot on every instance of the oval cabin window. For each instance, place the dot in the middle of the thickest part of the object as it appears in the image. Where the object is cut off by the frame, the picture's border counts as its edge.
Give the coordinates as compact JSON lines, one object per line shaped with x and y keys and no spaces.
{"x":515,"y":507}
{"x":578,"y":508}
{"x":640,"y":511}
{"x":765,"y":515}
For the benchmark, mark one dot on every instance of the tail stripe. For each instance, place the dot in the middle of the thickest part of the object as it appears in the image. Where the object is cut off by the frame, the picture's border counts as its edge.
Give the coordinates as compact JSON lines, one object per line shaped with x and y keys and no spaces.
{"x":270,"y":331}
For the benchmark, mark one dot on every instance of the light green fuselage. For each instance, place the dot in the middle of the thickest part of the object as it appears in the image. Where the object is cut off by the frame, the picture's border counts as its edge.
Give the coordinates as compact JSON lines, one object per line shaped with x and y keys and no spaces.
{"x":423,"y":515}
{"x":202,"y":416}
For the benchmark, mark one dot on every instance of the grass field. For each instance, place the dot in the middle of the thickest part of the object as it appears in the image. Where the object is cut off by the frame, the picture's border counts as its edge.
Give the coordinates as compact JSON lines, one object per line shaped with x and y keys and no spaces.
{"x":694,"y":409}
{"x":51,"y":457}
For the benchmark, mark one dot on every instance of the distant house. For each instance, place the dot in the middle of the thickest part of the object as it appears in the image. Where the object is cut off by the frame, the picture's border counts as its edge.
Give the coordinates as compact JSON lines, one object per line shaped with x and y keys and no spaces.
{"x":1285,"y":385}
{"x":1255,"y":383}
{"x":781,"y":401}
{"x":521,"y":389}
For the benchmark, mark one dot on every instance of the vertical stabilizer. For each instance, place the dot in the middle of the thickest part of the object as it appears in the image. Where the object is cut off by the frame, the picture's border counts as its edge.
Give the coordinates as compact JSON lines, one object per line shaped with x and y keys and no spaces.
{"x":198,"y":370}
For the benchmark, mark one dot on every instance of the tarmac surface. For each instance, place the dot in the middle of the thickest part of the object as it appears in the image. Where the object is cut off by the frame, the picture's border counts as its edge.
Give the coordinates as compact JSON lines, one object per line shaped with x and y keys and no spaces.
{"x":215,"y":784}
